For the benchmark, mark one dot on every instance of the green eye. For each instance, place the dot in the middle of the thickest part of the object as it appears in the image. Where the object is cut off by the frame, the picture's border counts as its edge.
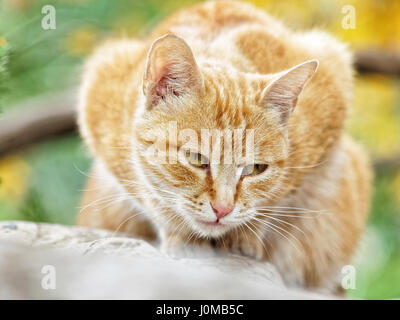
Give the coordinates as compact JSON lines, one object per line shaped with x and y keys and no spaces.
{"x":253,"y":170}
{"x":196,"y":159}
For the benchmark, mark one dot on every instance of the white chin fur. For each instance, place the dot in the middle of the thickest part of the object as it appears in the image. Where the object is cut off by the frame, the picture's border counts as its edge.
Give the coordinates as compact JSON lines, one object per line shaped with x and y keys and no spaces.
{"x":212,"y":231}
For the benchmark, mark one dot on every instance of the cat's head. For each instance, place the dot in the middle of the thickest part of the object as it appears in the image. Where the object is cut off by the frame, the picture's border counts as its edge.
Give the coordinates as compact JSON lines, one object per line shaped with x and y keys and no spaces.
{"x":212,"y":141}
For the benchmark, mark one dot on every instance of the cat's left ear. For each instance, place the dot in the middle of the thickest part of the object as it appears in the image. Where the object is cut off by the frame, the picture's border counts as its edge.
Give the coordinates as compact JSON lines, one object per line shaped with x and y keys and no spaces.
{"x":283,"y":92}
{"x":171,"y":70}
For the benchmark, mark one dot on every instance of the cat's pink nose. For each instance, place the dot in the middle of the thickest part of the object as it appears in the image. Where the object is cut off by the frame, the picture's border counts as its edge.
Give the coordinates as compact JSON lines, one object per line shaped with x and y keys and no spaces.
{"x":221,"y":210}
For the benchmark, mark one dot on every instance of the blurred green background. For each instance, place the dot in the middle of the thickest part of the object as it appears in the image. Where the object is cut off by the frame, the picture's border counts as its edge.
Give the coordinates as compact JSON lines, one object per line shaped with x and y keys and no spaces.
{"x":43,"y":182}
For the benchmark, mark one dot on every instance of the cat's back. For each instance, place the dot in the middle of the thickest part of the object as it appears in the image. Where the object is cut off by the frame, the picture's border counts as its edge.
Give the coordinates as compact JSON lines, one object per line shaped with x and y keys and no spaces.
{"x":208,"y":21}
{"x":252,"y":40}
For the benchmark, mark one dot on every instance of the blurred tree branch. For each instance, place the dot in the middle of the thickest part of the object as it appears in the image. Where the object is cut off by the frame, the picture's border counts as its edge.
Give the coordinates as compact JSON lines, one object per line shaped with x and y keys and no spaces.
{"x":37,"y":119}
{"x":377,"y":61}
{"x":391,"y":162}
{"x":53,"y":115}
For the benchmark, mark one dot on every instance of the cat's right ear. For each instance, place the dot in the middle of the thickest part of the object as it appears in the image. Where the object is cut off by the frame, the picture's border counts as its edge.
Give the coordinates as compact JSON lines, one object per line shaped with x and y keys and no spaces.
{"x":171,"y":70}
{"x":282,"y":93}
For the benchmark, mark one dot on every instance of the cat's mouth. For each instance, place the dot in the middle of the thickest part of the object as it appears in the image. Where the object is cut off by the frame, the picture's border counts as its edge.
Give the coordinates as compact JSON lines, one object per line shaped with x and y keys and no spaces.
{"x":212,"y":228}
{"x":210,"y":223}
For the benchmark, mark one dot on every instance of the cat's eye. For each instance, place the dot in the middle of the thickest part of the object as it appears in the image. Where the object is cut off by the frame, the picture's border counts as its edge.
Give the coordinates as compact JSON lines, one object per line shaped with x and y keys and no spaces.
{"x":254,"y":169}
{"x":196,"y":159}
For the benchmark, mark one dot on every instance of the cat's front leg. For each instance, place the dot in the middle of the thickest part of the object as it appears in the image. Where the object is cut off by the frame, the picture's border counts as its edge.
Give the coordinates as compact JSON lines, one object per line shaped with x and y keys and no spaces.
{"x":182,"y":245}
{"x":236,"y":242}
{"x":244,"y":243}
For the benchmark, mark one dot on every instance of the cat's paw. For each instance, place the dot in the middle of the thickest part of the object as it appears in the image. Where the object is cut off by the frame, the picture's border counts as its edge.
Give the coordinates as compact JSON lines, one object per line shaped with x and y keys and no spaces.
{"x":247,"y":246}
{"x":180,"y":248}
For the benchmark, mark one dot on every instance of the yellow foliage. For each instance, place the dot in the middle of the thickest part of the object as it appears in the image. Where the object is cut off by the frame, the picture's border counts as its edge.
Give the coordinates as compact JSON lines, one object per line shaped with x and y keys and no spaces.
{"x":3,"y":42}
{"x":374,"y":117}
{"x":377,"y":23}
{"x":13,"y":179}
{"x":82,"y":41}
{"x":17,"y":5}
{"x":396,"y":188}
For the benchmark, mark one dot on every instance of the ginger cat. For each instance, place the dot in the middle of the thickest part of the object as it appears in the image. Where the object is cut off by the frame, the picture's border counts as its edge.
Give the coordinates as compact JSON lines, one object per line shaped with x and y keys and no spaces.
{"x":301,"y":202}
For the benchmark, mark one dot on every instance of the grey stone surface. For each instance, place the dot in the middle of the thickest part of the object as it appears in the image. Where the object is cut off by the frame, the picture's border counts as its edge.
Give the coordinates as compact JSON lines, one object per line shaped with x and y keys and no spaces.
{"x":98,"y":264}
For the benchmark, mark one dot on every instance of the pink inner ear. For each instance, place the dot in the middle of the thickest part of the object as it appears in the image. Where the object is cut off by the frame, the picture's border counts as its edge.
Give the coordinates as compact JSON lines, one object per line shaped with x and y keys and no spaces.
{"x":164,"y":83}
{"x":163,"y":87}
